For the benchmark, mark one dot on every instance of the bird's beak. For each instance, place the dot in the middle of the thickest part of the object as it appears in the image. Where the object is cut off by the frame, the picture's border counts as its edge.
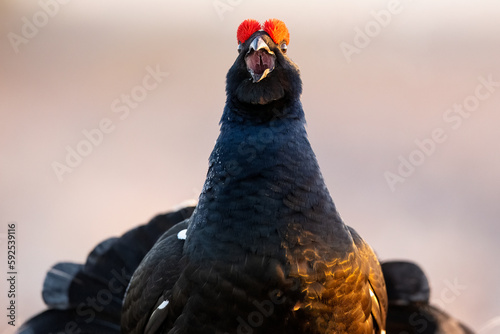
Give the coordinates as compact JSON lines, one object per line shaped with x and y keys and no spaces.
{"x":260,"y":59}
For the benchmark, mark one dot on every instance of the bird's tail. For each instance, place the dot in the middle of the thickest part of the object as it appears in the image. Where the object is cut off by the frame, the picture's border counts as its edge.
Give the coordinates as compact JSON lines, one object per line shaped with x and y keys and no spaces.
{"x":87,"y":298}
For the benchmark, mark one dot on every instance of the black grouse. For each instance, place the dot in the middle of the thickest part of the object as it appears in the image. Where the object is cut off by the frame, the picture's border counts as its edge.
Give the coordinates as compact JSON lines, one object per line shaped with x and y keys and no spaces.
{"x":265,"y":250}
{"x":409,"y":310}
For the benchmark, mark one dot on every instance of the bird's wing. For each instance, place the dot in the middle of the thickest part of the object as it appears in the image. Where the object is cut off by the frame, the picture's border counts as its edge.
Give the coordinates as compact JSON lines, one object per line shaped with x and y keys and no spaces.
{"x":87,"y":298}
{"x":376,"y":279}
{"x":68,"y":321}
{"x":147,"y":297}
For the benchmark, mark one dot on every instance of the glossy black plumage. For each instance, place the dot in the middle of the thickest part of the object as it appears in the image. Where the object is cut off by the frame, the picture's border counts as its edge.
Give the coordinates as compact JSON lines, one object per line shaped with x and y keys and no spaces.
{"x":266,"y":250}
{"x":409,"y":309}
{"x":87,"y":299}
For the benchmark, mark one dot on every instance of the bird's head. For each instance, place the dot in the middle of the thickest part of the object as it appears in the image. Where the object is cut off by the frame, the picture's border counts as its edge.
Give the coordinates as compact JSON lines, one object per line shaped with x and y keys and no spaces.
{"x":262,"y":73}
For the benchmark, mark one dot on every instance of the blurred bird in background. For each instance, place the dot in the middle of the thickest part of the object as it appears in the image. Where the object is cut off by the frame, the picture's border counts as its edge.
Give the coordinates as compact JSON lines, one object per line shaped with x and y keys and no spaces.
{"x":409,"y":309}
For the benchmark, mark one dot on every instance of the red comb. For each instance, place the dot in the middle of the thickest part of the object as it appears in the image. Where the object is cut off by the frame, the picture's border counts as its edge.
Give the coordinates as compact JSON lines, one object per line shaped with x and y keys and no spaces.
{"x":277,"y":30}
{"x":246,"y":29}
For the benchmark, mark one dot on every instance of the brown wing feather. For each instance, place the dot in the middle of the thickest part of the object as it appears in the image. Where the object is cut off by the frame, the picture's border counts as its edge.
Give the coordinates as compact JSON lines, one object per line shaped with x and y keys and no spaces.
{"x":376,"y":280}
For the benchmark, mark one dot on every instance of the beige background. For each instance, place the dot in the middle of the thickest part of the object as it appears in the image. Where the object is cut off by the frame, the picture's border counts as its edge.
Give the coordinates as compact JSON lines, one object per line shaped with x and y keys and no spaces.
{"x":362,"y":115}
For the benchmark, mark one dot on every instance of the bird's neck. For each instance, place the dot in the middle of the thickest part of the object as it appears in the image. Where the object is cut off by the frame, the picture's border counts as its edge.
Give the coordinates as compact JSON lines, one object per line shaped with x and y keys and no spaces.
{"x":263,"y":176}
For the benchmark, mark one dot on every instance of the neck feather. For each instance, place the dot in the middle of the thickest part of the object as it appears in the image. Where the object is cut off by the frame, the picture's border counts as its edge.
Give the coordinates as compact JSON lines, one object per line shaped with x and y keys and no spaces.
{"x":265,"y":166}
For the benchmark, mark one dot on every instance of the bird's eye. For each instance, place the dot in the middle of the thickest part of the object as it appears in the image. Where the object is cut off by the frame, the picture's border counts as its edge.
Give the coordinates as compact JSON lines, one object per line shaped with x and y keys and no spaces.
{"x":239,"y":47}
{"x":283,"y":47}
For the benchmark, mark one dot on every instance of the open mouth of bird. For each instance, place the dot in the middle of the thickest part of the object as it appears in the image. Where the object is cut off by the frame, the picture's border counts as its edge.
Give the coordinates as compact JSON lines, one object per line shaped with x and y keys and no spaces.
{"x":259,"y":64}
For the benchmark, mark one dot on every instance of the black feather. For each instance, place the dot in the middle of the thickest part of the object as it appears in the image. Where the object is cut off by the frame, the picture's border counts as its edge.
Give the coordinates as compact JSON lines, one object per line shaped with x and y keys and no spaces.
{"x":88,"y":298}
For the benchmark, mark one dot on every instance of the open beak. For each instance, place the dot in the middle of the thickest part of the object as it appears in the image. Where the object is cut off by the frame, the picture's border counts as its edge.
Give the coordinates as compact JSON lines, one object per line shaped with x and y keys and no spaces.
{"x":260,"y":59}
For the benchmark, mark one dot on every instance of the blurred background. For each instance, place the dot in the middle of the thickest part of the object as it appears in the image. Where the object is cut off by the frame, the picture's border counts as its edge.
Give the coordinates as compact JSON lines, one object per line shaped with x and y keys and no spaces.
{"x":68,"y":66}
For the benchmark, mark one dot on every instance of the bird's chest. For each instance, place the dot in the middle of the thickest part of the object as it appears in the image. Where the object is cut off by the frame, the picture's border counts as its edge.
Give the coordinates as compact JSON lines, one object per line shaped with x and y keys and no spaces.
{"x":280,"y":270}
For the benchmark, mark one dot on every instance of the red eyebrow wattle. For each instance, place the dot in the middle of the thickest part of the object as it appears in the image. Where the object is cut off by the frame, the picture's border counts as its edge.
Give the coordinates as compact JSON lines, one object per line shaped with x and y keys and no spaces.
{"x":246,"y":29}
{"x":277,"y":30}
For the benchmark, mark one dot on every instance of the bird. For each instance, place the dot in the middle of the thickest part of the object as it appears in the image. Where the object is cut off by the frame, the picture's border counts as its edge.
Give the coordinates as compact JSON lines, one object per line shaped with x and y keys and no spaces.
{"x":265,"y":250}
{"x":409,"y":310}
{"x":87,"y":298}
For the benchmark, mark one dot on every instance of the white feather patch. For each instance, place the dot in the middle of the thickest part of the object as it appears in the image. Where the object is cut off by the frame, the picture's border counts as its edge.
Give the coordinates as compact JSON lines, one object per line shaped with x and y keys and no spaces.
{"x":163,"y":305}
{"x":182,"y":234}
